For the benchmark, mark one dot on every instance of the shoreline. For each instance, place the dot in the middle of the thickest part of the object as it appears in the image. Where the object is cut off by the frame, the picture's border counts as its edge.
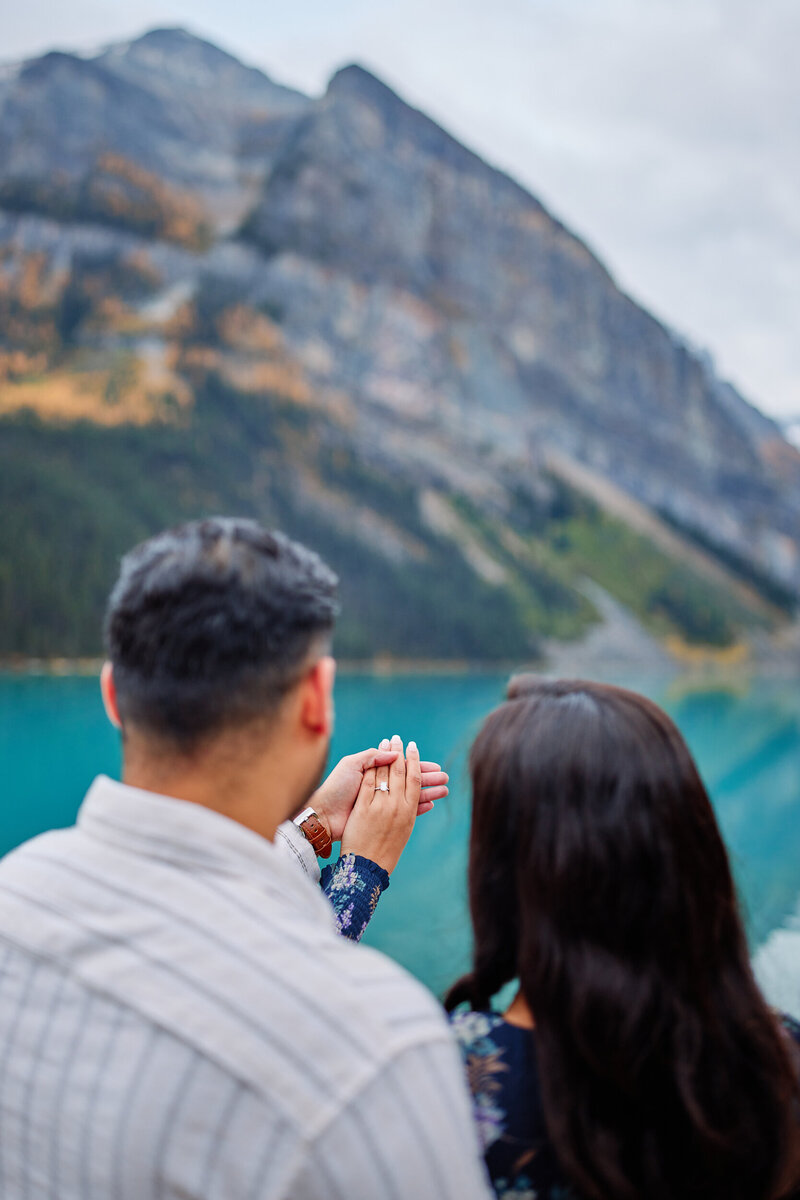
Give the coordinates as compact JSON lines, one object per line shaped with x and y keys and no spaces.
{"x":619,"y":646}
{"x":380,"y":665}
{"x":564,"y":661}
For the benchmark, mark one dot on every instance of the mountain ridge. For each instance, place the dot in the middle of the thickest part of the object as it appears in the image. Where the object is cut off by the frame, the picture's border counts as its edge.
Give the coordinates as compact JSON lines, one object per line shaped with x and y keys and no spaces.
{"x":393,"y":339}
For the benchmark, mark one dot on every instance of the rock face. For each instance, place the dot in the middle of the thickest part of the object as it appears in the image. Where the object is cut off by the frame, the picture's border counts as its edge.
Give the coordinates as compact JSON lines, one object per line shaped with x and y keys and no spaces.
{"x":529,"y":341}
{"x":179,"y":231}
{"x":168,"y":106}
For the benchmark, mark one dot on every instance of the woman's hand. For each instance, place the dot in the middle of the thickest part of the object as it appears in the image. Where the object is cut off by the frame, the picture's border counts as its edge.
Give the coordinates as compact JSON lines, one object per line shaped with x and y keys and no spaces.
{"x":334,"y":799}
{"x":386,"y":808}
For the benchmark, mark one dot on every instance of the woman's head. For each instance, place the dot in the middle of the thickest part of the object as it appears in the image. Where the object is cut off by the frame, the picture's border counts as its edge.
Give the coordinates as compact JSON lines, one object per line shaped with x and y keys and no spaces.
{"x":591,"y":828}
{"x":598,"y":877}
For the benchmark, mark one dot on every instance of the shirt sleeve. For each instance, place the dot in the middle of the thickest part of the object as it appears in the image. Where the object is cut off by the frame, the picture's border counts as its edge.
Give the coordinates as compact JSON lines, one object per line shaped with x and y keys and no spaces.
{"x":354,"y":885}
{"x":290,"y":843}
{"x":409,"y":1132}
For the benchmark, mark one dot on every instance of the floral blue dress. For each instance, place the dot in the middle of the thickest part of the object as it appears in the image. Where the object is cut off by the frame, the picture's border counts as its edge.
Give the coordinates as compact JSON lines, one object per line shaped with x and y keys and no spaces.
{"x":353,"y":886}
{"x":503,"y":1077}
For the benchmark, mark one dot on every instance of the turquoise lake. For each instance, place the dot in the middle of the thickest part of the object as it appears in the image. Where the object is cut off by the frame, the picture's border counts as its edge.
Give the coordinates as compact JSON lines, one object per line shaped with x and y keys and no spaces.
{"x":746,"y":737}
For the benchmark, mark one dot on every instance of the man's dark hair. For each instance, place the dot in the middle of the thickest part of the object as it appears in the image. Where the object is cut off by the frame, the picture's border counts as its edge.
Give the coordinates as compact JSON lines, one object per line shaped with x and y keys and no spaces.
{"x":211,"y":623}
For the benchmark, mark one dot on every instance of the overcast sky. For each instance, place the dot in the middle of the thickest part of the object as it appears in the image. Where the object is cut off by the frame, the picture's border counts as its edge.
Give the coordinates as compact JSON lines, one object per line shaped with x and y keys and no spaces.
{"x":664,"y":132}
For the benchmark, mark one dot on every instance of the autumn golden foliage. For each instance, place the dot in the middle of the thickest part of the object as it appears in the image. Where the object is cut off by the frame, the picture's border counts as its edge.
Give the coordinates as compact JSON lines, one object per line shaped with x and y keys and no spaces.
{"x":131,"y":195}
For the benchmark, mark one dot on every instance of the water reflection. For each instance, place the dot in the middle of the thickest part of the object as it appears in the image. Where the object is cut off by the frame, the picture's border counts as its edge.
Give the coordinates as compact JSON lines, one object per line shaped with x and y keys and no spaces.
{"x":777,"y":966}
{"x":746,"y":739}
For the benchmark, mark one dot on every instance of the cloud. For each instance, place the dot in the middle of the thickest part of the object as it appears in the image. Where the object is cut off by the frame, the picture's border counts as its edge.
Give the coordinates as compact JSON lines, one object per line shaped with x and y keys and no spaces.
{"x":664,"y":131}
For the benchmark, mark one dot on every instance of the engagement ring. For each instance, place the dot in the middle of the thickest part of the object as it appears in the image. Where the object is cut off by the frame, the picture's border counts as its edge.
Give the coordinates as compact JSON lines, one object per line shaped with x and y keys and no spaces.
{"x":381,"y":787}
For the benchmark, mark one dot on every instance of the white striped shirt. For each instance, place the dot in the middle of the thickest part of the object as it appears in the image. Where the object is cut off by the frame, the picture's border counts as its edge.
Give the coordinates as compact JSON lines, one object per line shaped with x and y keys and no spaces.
{"x":178,"y":1018}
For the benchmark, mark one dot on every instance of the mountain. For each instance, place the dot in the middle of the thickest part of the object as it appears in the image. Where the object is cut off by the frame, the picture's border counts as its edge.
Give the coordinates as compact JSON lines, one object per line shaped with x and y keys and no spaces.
{"x":166,"y":116}
{"x":218,"y":293}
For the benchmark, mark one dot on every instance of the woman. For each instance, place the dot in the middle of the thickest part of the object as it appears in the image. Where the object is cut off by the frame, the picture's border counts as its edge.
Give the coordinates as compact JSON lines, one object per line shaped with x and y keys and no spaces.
{"x":639,"y":1060}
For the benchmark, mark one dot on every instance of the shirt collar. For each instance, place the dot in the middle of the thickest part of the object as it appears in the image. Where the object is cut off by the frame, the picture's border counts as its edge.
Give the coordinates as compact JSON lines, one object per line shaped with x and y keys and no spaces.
{"x":187,"y":835}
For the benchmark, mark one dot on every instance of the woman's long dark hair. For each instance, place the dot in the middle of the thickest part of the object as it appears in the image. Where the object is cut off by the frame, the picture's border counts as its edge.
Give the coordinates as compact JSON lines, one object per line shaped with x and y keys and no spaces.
{"x":598,"y":878}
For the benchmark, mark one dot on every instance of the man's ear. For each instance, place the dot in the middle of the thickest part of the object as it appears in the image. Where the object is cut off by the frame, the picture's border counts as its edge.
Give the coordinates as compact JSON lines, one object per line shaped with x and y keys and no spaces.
{"x":317,"y":698}
{"x":108,"y":691}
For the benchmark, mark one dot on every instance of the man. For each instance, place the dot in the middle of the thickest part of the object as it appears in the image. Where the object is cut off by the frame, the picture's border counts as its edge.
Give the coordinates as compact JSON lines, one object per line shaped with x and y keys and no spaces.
{"x":178,"y":1017}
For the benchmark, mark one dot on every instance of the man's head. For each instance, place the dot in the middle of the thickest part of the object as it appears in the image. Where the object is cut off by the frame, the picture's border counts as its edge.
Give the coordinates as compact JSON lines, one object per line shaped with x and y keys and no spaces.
{"x":212,"y":630}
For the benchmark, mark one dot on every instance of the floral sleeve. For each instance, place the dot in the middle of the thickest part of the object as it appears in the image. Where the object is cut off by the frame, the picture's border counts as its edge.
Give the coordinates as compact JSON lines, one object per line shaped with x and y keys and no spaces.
{"x":354,"y":886}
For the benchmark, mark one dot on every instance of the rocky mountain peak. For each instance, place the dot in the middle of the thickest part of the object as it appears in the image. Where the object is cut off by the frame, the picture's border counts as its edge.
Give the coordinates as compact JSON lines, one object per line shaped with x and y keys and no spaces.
{"x":356,"y":81}
{"x":183,"y":52}
{"x":176,"y":39}
{"x":354,"y":86}
{"x":185,"y":61}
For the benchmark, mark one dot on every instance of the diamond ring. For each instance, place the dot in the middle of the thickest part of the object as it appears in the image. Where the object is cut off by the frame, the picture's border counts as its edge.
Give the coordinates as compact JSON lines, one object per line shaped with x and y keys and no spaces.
{"x":381,"y":787}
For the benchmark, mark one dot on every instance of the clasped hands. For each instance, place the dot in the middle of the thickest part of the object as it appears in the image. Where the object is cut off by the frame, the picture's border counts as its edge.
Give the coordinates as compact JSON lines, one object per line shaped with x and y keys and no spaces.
{"x":374,"y":822}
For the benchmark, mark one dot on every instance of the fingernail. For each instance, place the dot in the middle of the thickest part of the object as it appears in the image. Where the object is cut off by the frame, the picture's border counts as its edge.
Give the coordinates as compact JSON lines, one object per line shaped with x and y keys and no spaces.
{"x":384,"y":744}
{"x":396,"y":737}
{"x":411,"y":746}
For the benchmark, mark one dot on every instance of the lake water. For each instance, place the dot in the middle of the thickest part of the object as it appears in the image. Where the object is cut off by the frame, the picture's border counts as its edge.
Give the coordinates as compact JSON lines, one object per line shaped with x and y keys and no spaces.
{"x":746,"y":737}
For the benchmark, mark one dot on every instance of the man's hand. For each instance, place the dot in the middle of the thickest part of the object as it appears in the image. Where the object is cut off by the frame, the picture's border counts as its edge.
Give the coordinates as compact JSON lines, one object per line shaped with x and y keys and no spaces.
{"x":334,"y":799}
{"x":386,"y":809}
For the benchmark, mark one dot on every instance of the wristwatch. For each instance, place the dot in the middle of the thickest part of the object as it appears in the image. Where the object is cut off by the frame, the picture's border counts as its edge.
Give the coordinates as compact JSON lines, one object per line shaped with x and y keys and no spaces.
{"x":314,"y":832}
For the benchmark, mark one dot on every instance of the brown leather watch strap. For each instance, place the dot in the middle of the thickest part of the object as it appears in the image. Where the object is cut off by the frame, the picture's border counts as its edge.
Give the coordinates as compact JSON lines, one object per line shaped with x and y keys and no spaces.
{"x":317,"y":836}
